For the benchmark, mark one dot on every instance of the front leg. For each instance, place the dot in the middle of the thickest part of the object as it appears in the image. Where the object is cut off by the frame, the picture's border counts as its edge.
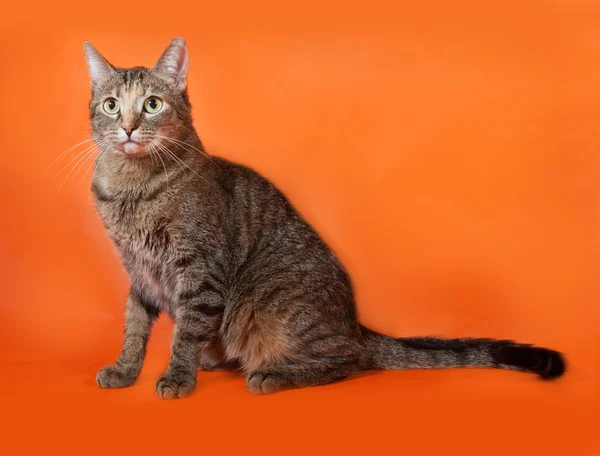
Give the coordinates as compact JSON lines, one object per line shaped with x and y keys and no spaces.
{"x":199,"y":310}
{"x":139,"y":317}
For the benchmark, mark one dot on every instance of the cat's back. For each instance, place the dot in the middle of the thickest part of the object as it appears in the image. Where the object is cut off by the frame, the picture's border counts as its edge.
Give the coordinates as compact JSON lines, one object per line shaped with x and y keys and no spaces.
{"x":257,"y":203}
{"x":243,"y":182}
{"x":267,"y":233}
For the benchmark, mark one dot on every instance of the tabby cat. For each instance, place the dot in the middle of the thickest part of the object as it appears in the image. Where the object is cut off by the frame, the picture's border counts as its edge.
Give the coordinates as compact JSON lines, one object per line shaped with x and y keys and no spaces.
{"x":247,"y":281}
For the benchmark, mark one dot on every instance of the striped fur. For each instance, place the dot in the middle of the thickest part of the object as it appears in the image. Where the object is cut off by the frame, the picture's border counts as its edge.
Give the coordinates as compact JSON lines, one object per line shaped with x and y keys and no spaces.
{"x":248,"y":282}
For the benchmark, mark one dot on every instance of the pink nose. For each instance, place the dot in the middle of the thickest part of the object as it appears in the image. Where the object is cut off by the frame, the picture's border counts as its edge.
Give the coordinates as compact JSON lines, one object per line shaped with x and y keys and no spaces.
{"x":129,"y":129}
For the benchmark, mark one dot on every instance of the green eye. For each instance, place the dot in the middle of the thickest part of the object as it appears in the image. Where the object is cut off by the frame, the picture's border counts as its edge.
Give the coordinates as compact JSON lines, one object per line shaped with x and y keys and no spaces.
{"x":152,"y":105}
{"x":111,"y":106}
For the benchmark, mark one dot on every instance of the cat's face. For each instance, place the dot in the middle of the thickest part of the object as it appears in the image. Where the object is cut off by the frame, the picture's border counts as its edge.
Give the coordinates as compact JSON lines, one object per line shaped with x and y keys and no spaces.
{"x":138,"y":110}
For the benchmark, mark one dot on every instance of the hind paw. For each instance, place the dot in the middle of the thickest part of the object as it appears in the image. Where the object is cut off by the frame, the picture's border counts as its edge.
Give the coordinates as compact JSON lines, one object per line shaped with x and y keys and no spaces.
{"x":265,"y":382}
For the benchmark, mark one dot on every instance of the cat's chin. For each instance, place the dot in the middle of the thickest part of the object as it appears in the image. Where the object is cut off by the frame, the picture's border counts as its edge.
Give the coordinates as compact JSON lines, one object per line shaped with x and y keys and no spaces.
{"x":133,"y":149}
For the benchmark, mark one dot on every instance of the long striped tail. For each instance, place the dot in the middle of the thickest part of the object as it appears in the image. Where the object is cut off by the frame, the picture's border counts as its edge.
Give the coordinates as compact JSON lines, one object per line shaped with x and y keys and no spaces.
{"x":385,"y":352}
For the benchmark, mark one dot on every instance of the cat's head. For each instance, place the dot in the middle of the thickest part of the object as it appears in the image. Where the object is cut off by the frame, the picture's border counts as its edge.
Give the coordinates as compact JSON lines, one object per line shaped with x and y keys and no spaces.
{"x":133,"y":109}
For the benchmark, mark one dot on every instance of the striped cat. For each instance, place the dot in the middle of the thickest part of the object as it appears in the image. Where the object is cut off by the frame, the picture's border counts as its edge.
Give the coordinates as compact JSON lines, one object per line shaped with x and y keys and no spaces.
{"x":248,"y":282}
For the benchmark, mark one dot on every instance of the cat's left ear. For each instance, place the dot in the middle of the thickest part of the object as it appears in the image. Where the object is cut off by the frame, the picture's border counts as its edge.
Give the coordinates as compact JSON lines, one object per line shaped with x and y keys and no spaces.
{"x":98,"y":67}
{"x":173,"y":64}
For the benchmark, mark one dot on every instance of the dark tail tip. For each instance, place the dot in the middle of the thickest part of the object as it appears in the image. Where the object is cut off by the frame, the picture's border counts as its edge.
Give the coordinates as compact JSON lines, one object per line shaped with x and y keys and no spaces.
{"x":548,"y":364}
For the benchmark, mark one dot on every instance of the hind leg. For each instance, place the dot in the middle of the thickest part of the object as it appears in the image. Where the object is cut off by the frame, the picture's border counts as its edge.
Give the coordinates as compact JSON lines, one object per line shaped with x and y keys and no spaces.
{"x":286,"y":376}
{"x":311,"y":351}
{"x":212,"y":358}
{"x":290,"y":344}
{"x":322,"y":358}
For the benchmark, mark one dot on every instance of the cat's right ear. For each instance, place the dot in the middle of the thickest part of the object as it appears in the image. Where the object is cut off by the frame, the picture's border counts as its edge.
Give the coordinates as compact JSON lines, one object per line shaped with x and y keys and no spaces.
{"x":100,"y":70}
{"x":173,"y":63}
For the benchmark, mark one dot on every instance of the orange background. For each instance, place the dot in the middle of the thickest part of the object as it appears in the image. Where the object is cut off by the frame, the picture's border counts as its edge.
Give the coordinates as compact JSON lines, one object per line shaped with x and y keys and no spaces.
{"x":449,"y":154}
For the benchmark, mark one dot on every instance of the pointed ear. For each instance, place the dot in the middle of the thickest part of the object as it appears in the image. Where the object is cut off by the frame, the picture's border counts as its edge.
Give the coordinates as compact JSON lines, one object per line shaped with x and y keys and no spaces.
{"x":173,"y":64}
{"x":100,"y":70}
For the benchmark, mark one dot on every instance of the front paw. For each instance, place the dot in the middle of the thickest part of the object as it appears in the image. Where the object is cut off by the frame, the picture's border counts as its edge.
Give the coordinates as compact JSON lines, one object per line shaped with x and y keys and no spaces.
{"x":114,"y":377}
{"x":173,"y":386}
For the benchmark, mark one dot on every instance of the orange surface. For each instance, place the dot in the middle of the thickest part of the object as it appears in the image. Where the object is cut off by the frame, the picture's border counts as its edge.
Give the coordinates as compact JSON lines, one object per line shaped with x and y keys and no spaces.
{"x":449,"y":154}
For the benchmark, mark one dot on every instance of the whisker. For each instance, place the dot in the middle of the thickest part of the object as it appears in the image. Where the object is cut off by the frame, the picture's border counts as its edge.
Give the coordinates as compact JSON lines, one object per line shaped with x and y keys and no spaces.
{"x":151,"y":152}
{"x":82,"y":161}
{"x":99,"y":160}
{"x":165,"y":168}
{"x":73,"y":159}
{"x":179,"y":160}
{"x":87,"y":160}
{"x":90,"y":155}
{"x":76,"y":165}
{"x":180,"y":143}
{"x":66,"y":152}
{"x":152,"y":155}
{"x":103,"y":146}
{"x":167,"y":151}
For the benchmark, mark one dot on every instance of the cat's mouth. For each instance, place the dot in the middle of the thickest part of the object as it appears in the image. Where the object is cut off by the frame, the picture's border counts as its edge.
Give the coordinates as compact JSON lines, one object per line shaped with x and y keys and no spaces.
{"x":134,"y":148}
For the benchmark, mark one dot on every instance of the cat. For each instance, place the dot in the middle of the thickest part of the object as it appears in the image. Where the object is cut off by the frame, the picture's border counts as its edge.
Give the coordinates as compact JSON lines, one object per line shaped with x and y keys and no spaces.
{"x":248,"y":282}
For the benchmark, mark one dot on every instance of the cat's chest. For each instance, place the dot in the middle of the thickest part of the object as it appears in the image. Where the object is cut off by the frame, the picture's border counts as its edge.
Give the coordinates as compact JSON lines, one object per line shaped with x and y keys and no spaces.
{"x":144,"y":239}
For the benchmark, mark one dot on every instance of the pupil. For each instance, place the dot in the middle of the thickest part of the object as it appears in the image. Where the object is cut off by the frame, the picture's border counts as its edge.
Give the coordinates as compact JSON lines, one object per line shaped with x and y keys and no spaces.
{"x":152,"y":104}
{"x":111,"y":104}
